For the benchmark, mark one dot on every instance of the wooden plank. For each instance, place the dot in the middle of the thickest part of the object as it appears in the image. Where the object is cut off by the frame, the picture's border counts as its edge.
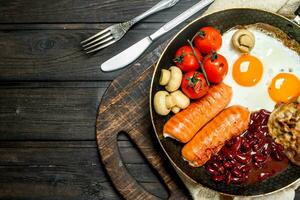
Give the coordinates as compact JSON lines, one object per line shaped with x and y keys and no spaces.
{"x":49,"y":110}
{"x":69,"y":170}
{"x":74,"y":26}
{"x":67,"y":191}
{"x":55,"y":54}
{"x":61,"y":11}
{"x":23,"y":150}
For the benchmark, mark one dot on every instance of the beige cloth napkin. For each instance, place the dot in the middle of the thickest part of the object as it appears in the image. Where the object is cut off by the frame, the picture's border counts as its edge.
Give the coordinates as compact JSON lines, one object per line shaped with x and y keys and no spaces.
{"x":284,"y":7}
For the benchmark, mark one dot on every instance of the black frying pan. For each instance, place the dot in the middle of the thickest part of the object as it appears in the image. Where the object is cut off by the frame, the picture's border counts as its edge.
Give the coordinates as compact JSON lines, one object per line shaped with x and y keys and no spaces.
{"x":223,"y":20}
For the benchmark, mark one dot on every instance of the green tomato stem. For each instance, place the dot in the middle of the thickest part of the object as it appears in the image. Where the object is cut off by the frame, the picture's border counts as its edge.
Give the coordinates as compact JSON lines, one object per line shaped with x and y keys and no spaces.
{"x":199,"y":62}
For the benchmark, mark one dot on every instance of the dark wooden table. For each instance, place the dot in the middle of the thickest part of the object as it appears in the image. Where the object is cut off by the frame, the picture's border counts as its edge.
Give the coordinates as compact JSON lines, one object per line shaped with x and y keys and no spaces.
{"x":50,"y":91}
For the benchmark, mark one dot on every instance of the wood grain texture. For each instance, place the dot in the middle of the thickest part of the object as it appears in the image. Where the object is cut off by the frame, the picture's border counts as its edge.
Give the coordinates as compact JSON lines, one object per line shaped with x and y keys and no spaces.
{"x":53,"y":55}
{"x":49,"y":110}
{"x":89,"y":11}
{"x":65,"y":170}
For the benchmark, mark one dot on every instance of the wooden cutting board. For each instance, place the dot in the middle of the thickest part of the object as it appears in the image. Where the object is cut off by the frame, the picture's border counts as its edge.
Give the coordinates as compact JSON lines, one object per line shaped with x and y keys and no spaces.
{"x":125,"y":107}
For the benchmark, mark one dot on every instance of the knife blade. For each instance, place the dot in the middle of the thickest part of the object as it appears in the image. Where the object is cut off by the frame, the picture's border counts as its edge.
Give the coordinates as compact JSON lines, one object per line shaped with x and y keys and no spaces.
{"x":129,"y":55}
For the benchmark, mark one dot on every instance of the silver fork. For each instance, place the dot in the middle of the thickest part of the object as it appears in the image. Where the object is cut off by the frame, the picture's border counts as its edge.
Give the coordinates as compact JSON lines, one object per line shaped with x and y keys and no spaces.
{"x":115,"y":32}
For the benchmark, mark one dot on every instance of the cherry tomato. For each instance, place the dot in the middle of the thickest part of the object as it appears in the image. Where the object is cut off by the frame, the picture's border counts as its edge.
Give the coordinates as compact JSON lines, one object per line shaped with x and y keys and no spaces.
{"x":216,"y":67}
{"x":186,"y":60}
{"x":208,"y":39}
{"x":194,"y":85}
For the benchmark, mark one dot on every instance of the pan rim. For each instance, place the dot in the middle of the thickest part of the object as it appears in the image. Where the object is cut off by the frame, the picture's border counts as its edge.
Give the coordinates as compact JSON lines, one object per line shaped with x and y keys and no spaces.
{"x":151,"y":108}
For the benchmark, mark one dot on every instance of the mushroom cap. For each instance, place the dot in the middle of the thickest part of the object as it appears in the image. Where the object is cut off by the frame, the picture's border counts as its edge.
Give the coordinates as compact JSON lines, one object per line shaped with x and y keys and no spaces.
{"x":243,"y":40}
{"x":180,"y":99}
{"x":175,"y":79}
{"x":165,"y":76}
{"x":159,"y":103}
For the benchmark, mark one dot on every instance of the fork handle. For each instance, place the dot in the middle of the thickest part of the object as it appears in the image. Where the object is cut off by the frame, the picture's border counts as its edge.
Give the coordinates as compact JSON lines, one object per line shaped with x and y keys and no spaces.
{"x":158,"y":7}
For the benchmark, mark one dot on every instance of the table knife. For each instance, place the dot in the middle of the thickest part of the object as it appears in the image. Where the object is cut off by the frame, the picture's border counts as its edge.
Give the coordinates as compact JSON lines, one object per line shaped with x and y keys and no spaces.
{"x":129,"y":55}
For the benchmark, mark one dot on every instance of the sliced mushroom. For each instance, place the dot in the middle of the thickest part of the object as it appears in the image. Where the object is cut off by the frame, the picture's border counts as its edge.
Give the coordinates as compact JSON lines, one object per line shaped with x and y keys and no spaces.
{"x":243,"y":40}
{"x":171,"y":78}
{"x":165,"y":102}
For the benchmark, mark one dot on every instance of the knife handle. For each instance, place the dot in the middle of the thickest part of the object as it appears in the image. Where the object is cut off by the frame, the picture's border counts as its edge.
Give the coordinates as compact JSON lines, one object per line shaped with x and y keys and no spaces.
{"x":182,"y":17}
{"x":164,"y":4}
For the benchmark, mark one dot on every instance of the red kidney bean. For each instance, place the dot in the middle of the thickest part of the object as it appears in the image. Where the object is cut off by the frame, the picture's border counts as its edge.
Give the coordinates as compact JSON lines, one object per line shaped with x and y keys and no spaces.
{"x":243,"y":158}
{"x":228,"y":178}
{"x":227,"y":153}
{"x":245,"y":168}
{"x":252,"y":142}
{"x":277,"y":155}
{"x":237,"y":145}
{"x":259,"y":158}
{"x":216,"y":165}
{"x":258,"y":146}
{"x":234,"y":162}
{"x":249,"y":136}
{"x":257,"y":134}
{"x":265,"y":112}
{"x":212,"y":170}
{"x":279,"y":147}
{"x":218,"y":178}
{"x":236,"y":172}
{"x":246,"y":147}
{"x":220,"y":158}
{"x":263,"y":130}
{"x":227,"y":164}
{"x":266,"y":151}
{"x":222,"y":170}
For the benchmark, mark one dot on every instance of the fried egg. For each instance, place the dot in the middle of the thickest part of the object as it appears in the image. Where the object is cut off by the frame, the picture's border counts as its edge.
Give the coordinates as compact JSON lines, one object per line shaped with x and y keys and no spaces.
{"x":269,"y":74}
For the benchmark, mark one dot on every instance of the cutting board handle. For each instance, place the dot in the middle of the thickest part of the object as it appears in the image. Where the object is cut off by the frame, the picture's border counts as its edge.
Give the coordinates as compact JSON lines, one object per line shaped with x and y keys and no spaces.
{"x":140,"y":136}
{"x":121,"y":178}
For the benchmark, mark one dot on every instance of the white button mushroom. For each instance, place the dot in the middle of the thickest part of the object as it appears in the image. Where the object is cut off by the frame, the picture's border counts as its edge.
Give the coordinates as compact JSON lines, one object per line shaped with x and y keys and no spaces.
{"x":243,"y":40}
{"x":180,"y":99}
{"x":165,"y":102}
{"x":171,"y":78}
{"x":164,"y":77}
{"x":175,"y":109}
{"x":160,"y":103}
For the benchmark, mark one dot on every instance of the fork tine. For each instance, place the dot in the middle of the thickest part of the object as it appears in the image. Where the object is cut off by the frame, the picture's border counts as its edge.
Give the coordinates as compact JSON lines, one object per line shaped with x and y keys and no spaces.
{"x":96,"y":35}
{"x":96,"y":39}
{"x":102,"y":46}
{"x":97,"y":44}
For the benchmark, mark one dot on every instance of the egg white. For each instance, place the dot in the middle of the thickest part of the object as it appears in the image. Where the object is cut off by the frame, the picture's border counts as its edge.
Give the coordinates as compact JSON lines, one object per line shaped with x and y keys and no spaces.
{"x":276,"y":58}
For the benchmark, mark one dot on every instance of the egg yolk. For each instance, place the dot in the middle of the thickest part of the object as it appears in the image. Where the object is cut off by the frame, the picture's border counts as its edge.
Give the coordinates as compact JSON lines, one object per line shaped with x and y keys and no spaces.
{"x":247,"y":70}
{"x":284,"y":88}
